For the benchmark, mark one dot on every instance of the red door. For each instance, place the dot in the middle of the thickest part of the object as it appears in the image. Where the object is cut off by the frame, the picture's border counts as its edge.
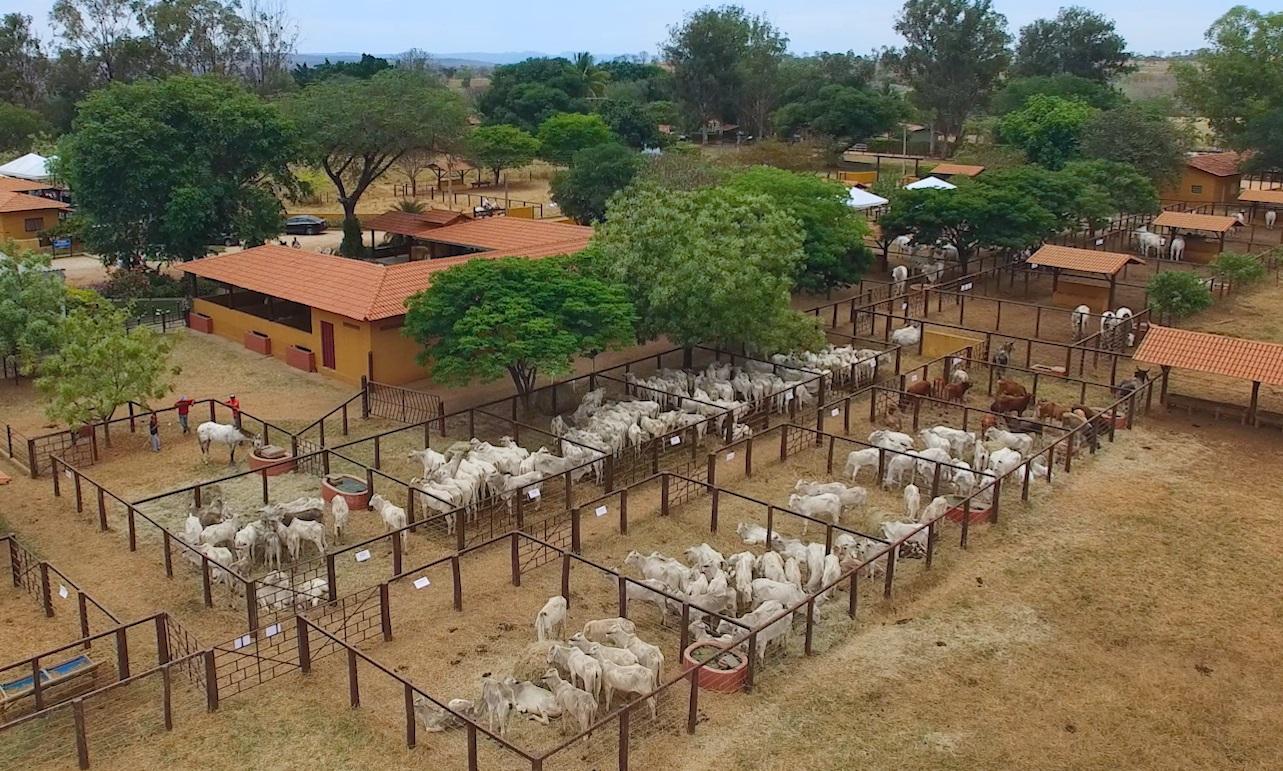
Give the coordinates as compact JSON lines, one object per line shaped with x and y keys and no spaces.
{"x":327,"y":345}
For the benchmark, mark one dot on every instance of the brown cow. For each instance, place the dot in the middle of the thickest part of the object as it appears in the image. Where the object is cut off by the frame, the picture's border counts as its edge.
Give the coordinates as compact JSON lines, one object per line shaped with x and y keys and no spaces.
{"x":957,"y":392}
{"x":1049,"y":409}
{"x":1010,"y":388}
{"x":915,"y":391}
{"x":1016,"y":404}
{"x":987,"y":422}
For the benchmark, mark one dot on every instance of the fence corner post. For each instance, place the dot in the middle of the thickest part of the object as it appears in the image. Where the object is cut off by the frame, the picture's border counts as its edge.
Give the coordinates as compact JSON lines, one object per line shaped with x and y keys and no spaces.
{"x":304,"y":645}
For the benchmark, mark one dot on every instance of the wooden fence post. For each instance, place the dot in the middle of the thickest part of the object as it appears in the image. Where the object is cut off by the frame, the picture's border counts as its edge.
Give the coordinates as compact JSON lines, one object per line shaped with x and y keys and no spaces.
{"x":44,"y":590}
{"x":304,"y":645}
{"x":385,"y":612}
{"x":457,"y":578}
{"x":82,"y":741}
{"x":410,"y":726}
{"x":353,"y":681}
{"x":565,"y":578}
{"x":211,"y":676}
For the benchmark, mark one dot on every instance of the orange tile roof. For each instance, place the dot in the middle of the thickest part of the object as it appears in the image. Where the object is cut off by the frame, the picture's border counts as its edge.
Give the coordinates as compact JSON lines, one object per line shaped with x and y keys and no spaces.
{"x":15,"y":185}
{"x":1190,"y":221}
{"x":365,"y":291}
{"x":15,"y":202}
{"x":1262,"y":196}
{"x":1086,"y":260}
{"x":1217,"y":164}
{"x":412,"y":223}
{"x":508,"y":233}
{"x":1215,"y":354}
{"x":959,"y":169}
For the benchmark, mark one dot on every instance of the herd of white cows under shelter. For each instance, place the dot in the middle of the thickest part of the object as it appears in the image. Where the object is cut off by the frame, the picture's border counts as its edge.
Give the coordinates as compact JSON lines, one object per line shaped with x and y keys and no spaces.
{"x":583,"y":575}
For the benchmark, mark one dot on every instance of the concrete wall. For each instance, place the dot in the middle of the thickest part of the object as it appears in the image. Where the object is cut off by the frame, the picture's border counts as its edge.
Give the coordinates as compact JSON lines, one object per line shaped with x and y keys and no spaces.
{"x":394,"y":354}
{"x":351,"y":346}
{"x":1213,"y":189}
{"x":13,"y":224}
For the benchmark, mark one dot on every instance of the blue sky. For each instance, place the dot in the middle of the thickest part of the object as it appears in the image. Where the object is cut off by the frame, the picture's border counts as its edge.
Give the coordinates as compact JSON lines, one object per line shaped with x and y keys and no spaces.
{"x":387,"y":26}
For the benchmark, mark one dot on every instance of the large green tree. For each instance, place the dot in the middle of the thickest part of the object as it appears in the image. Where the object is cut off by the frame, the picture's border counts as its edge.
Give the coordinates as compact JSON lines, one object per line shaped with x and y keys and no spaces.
{"x":99,"y":366}
{"x":23,"y":66}
{"x":529,"y":92}
{"x":595,"y":174}
{"x":632,"y":122}
{"x":725,"y":66}
{"x":706,"y":266}
{"x":356,"y":130}
{"x":486,"y":318}
{"x":1048,"y":128}
{"x":833,"y":234}
{"x":977,"y":215}
{"x":561,"y":136}
{"x":501,"y":147}
{"x":32,"y":301}
{"x":1138,"y":137}
{"x":843,"y":114}
{"x":19,"y":127}
{"x":1077,"y":42}
{"x":1237,"y":83}
{"x":161,"y":169}
{"x":1015,"y":92}
{"x":954,"y":53}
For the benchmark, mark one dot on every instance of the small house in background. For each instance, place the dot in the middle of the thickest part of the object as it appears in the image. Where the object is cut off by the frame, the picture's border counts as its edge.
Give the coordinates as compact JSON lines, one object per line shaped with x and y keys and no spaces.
{"x":24,"y":217}
{"x":947,"y":171}
{"x":1207,"y":178}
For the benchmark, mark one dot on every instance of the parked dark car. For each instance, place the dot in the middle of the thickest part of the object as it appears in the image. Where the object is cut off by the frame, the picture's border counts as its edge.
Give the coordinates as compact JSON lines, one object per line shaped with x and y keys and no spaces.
{"x":305,"y":225}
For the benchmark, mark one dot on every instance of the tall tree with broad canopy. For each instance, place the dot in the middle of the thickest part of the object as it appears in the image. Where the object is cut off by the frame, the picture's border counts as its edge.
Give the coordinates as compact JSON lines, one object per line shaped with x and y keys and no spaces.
{"x":529,"y":92}
{"x":833,"y":234}
{"x":486,"y":318}
{"x":561,"y":136}
{"x":23,"y":66}
{"x":955,"y":51}
{"x":1140,"y":138}
{"x":843,"y":114}
{"x":631,"y":121}
{"x":98,"y":366}
{"x":1049,"y":129}
{"x":162,"y":169}
{"x":595,"y":174}
{"x":1077,"y":42}
{"x":32,"y":300}
{"x":1237,"y":83}
{"x":19,"y":128}
{"x":712,"y":266}
{"x":1128,"y":190}
{"x":977,"y":215}
{"x":1015,"y":92}
{"x":500,"y":147}
{"x":356,"y":130}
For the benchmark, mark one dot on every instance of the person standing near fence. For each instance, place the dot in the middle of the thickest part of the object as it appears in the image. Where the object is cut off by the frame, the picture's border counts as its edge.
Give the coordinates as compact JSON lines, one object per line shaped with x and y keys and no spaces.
{"x":235,"y":405}
{"x":183,"y":407}
{"x":153,"y":428}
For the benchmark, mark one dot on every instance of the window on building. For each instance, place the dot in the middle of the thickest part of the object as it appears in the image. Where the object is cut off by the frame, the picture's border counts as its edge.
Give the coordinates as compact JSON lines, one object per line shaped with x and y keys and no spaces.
{"x":1196,"y":189}
{"x":33,"y":224}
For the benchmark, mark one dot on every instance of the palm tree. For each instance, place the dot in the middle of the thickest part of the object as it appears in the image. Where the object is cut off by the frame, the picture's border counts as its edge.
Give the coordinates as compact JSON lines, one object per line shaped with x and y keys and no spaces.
{"x":412,"y":206}
{"x":595,"y":78}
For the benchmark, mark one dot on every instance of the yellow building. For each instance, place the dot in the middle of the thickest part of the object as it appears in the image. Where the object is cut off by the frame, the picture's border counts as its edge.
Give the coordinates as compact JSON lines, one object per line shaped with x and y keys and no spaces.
{"x":1207,"y":178}
{"x":23,"y":217}
{"x":343,"y":317}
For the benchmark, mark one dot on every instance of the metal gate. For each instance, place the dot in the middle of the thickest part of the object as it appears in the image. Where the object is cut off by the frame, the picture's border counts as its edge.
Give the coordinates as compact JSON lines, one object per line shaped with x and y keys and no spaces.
{"x":402,"y":404}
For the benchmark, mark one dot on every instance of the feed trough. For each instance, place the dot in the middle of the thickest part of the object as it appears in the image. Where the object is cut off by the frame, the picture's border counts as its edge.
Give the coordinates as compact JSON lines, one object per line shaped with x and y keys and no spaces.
{"x":264,"y":457}
{"x":723,"y":672}
{"x":353,"y":489}
{"x":957,"y":511}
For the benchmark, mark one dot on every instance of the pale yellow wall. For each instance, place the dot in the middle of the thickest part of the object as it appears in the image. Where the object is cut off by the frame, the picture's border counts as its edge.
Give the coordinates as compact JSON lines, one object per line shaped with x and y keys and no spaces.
{"x":12,"y":224}
{"x":1214,"y":189}
{"x":394,"y":354}
{"x":936,"y":343}
{"x":351,"y":345}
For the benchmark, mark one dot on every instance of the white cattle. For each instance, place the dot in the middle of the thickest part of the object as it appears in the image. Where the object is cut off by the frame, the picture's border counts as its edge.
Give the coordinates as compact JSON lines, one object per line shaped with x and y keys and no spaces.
{"x":1178,"y":248}
{"x":899,"y":471}
{"x":907,"y":337}
{"x":649,"y":656}
{"x":1004,"y":461}
{"x":850,"y":497}
{"x":429,"y":458}
{"x":826,"y":507}
{"x":636,"y":679}
{"x":393,"y":516}
{"x":339,"y":510}
{"x":751,"y":534}
{"x":916,"y":538}
{"x":495,"y":705}
{"x":785,"y":593}
{"x":529,"y":699}
{"x":891,"y":440}
{"x":912,"y":501}
{"x":550,"y":622}
{"x":672,"y":574}
{"x":859,"y":459}
{"x":210,"y":433}
{"x":582,"y":668}
{"x":1021,"y":443}
{"x":1149,"y":242}
{"x":777,"y":631}
{"x":597,"y":629}
{"x":573,"y":701}
{"x":1080,"y":316}
{"x":304,"y":530}
{"x":1271,"y":217}
{"x":771,"y":566}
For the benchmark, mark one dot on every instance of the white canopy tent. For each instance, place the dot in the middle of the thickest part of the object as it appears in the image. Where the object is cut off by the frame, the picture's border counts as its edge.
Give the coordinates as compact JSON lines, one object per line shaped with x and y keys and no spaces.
{"x":930,"y":183}
{"x":860,"y":199}
{"x":30,"y":166}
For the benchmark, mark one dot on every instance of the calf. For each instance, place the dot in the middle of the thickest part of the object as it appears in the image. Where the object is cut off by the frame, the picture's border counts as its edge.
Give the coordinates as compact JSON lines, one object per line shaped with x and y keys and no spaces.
{"x":636,"y":679}
{"x":1016,"y":404}
{"x":550,"y":622}
{"x":1011,"y":388}
{"x":957,"y":392}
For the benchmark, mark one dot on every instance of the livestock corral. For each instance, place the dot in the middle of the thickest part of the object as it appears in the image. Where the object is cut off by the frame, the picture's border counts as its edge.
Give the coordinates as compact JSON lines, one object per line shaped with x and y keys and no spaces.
{"x":589,"y":574}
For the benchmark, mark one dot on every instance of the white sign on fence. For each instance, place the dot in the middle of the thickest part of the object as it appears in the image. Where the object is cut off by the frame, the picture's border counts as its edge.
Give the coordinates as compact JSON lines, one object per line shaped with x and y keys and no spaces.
{"x":422,"y":583}
{"x":730,"y":456}
{"x":363,"y":555}
{"x":241,"y":642}
{"x":834,"y":412}
{"x":273,"y":630}
{"x":601,"y":511}
{"x":675,"y":440}
{"x":1100,"y":242}
{"x":533,"y":493}
{"x":966,"y":287}
{"x":62,"y":591}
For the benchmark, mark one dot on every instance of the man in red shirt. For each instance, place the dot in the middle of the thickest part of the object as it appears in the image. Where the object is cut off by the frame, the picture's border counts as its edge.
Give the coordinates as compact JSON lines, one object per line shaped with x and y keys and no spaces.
{"x":183,"y":406}
{"x":235,"y":404}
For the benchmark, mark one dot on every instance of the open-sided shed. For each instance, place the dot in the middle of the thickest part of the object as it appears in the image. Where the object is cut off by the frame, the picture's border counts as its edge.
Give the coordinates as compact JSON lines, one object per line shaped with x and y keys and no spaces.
{"x":1210,"y":229}
{"x":1085,"y":262}
{"x":1254,"y":360}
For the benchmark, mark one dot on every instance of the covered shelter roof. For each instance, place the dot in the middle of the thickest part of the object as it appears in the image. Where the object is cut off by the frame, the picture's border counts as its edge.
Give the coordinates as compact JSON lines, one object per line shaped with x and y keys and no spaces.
{"x":370,"y":291}
{"x":1262,"y":196}
{"x":930,"y":183}
{"x":404,"y":223}
{"x":1083,"y":260}
{"x":1254,"y":360}
{"x":957,"y":169}
{"x":858,"y":199}
{"x":16,"y":202}
{"x":1213,"y":223}
{"x":30,"y":166}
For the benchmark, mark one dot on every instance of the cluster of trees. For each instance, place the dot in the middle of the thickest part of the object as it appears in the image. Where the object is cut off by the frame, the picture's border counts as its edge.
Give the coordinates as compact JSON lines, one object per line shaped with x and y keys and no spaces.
{"x":88,"y":363}
{"x":99,"y":42}
{"x":1018,"y":208}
